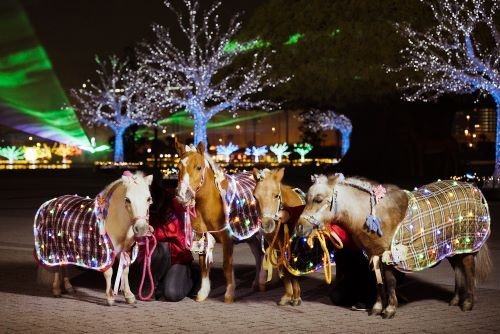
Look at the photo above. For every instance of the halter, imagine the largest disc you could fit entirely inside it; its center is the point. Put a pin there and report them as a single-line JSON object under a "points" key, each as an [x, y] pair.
{"points": [[276, 217], [314, 218], [376, 193], [103, 205]]}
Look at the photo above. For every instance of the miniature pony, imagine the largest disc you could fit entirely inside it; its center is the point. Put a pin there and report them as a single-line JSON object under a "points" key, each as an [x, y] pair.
{"points": [[222, 209], [275, 200], [407, 231], [91, 233]]}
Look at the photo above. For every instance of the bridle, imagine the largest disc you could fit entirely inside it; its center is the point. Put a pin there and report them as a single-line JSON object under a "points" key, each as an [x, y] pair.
{"points": [[279, 207], [202, 180], [331, 204]]}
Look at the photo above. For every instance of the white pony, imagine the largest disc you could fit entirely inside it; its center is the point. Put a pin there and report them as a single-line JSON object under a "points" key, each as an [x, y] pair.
{"points": [[92, 233]]}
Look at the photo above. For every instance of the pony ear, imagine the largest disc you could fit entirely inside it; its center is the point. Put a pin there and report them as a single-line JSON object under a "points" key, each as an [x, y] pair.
{"points": [[201, 148], [314, 177], [335, 178], [255, 173], [280, 172], [149, 179], [126, 178]]}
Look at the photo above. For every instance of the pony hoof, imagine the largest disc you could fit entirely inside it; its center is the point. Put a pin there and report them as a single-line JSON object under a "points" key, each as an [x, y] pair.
{"points": [[388, 314], [200, 298], [110, 302], [57, 293], [296, 302], [130, 300], [284, 301], [466, 306], [229, 299], [455, 301]]}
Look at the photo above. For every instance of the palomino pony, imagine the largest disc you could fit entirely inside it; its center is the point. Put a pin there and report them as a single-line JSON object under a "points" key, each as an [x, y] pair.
{"points": [[275, 200], [222, 209], [407, 231], [91, 233]]}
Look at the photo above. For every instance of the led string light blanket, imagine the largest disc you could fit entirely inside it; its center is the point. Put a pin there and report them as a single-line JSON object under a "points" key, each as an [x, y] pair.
{"points": [[69, 230], [443, 218]]}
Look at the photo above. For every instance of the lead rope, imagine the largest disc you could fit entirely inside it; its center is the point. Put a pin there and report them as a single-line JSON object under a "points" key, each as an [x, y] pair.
{"points": [[146, 267]]}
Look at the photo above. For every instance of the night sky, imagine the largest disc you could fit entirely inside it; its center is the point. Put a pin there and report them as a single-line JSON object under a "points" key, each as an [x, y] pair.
{"points": [[74, 31]]}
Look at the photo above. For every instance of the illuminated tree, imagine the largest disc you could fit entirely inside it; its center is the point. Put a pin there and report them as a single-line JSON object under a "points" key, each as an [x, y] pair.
{"points": [[65, 150], [11, 153], [226, 150], [256, 152], [33, 153], [302, 150], [317, 120], [279, 150], [460, 54], [197, 78], [121, 98]]}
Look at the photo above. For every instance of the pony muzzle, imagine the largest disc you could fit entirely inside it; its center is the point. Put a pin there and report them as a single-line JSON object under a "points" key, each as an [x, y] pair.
{"points": [[140, 226], [268, 223]]}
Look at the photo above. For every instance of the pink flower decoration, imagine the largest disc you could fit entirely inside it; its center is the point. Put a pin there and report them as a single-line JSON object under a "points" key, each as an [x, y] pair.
{"points": [[379, 192]]}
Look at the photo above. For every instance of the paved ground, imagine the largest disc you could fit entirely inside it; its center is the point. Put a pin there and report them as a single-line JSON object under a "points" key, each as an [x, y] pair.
{"points": [[30, 308]]}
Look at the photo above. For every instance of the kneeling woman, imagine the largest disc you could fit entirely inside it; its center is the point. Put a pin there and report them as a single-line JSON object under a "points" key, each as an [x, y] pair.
{"points": [[172, 266]]}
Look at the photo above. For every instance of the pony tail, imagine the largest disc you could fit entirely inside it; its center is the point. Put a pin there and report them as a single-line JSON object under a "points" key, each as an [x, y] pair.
{"points": [[484, 264]]}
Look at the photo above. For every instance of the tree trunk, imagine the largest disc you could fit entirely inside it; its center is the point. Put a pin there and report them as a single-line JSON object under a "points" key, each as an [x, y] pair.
{"points": [[119, 150], [200, 128]]}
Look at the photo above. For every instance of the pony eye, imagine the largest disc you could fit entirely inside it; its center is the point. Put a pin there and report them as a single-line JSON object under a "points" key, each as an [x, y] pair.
{"points": [[127, 200], [317, 200], [198, 168], [277, 196], [150, 200]]}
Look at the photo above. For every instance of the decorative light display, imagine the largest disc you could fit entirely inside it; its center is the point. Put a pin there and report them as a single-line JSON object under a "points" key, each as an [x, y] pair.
{"points": [[443, 218], [123, 97], [192, 78], [454, 56], [302, 149], [280, 150], [65, 151], [70, 230], [11, 153], [31, 154], [30, 94], [256, 152], [317, 120], [304, 259], [227, 150]]}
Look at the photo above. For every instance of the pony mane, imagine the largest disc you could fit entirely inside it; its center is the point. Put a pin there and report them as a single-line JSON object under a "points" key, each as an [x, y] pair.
{"points": [[110, 187], [215, 167], [359, 183], [113, 185]]}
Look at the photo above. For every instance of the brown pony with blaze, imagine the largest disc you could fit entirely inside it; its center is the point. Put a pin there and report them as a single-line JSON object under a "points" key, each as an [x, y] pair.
{"points": [[197, 191], [273, 198], [373, 213]]}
